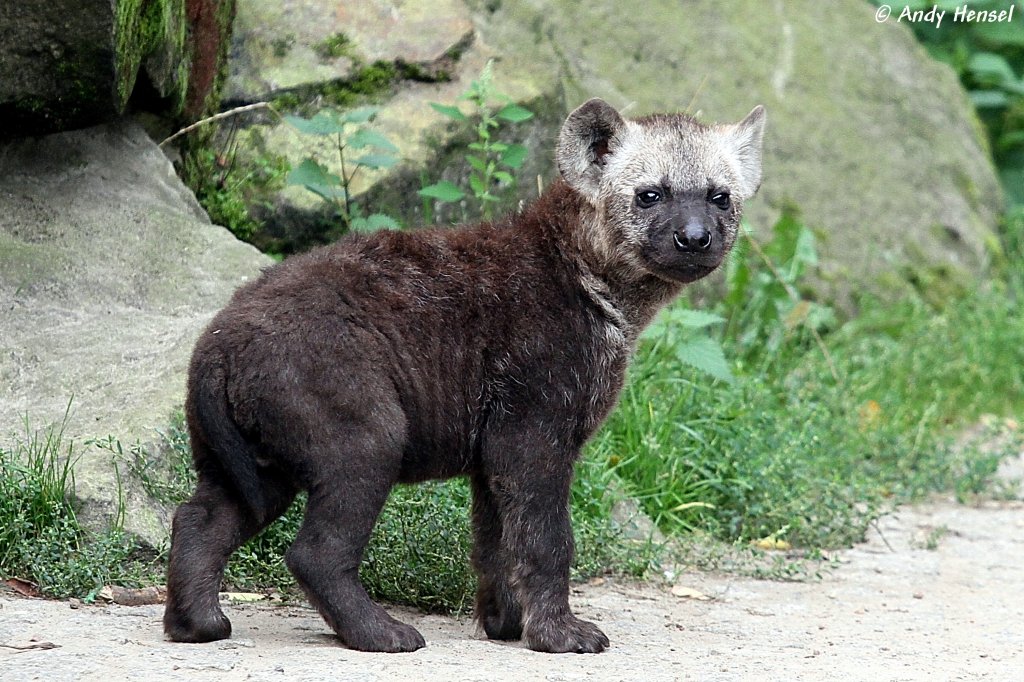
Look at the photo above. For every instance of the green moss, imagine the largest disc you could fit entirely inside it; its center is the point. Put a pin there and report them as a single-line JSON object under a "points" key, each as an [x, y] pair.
{"points": [[145, 27], [286, 101], [373, 79], [282, 46], [338, 45]]}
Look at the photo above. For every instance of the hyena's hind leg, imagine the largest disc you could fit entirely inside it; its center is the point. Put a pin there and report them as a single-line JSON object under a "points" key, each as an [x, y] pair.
{"points": [[346, 494], [497, 605], [207, 529]]}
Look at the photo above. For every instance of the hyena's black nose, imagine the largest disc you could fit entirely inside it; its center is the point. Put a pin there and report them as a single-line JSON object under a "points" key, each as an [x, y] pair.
{"points": [[693, 238]]}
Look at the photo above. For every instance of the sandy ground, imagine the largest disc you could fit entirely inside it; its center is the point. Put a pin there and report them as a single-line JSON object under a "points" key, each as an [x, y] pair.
{"points": [[894, 609]]}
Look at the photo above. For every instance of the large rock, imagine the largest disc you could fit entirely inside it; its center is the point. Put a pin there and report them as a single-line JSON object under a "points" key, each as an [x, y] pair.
{"points": [[108, 271], [74, 63]]}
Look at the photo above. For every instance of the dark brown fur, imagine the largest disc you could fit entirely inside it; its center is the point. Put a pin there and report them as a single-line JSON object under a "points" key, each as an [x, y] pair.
{"points": [[492, 351]]}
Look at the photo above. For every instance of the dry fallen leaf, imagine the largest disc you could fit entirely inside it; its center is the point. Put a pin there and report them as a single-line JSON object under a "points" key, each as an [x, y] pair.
{"points": [[127, 596], [770, 543], [242, 596], [684, 592], [869, 415], [23, 587]]}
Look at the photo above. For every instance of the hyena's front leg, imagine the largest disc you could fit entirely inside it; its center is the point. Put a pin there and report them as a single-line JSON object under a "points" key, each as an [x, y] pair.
{"points": [[531, 484]]}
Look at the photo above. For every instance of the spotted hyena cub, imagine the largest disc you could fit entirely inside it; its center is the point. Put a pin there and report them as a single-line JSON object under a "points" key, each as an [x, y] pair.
{"points": [[491, 351]]}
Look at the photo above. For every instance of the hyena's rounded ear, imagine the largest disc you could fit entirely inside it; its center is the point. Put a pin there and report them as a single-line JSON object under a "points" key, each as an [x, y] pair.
{"points": [[743, 142], [585, 140]]}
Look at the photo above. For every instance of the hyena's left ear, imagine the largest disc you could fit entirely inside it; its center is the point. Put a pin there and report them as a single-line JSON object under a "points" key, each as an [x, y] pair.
{"points": [[587, 137], [743, 142]]}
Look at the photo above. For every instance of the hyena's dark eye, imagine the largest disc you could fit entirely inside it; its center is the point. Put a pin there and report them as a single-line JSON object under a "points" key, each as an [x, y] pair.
{"points": [[721, 200], [647, 198]]}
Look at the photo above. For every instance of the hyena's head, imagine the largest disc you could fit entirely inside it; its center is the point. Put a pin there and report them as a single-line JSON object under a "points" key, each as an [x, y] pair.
{"points": [[667, 190]]}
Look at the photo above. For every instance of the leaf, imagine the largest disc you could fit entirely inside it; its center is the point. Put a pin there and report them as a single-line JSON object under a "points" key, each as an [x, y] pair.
{"points": [[442, 191], [705, 354], [127, 596], [328, 193], [771, 543], [374, 222], [515, 113], [502, 176], [23, 587], [476, 183], [1011, 139], [365, 137], [693, 319], [989, 99], [514, 156], [377, 161], [684, 592], [309, 172], [449, 111], [242, 597], [805, 250], [360, 115], [476, 162], [324, 123], [991, 68]]}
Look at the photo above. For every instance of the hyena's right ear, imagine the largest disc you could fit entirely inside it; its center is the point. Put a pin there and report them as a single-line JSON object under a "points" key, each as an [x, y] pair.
{"points": [[587, 137]]}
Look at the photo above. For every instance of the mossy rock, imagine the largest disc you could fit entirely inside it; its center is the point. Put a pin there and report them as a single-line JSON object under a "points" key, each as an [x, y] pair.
{"points": [[68, 63]]}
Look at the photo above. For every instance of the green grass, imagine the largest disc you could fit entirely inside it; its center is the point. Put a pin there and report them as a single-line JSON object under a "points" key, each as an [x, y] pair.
{"points": [[41, 539], [793, 451]]}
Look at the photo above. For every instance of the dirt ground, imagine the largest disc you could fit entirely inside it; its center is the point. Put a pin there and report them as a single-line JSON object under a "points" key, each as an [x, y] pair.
{"points": [[937, 593]]}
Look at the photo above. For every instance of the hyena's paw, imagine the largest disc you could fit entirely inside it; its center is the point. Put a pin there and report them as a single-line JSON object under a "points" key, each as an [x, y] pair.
{"points": [[565, 634], [500, 615], [190, 629], [388, 636]]}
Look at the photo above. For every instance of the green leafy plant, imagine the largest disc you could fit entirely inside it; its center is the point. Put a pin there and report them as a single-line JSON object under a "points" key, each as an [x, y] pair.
{"points": [[685, 331], [225, 185], [350, 134], [763, 304], [491, 161]]}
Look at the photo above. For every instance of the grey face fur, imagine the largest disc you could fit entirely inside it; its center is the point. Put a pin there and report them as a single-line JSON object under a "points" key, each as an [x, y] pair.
{"points": [[667, 190]]}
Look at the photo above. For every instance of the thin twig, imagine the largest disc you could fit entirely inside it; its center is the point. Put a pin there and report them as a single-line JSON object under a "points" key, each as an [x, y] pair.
{"points": [[795, 297], [878, 529], [217, 117]]}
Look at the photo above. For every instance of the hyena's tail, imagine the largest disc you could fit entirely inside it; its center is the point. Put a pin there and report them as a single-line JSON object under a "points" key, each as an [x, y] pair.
{"points": [[229, 455]]}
